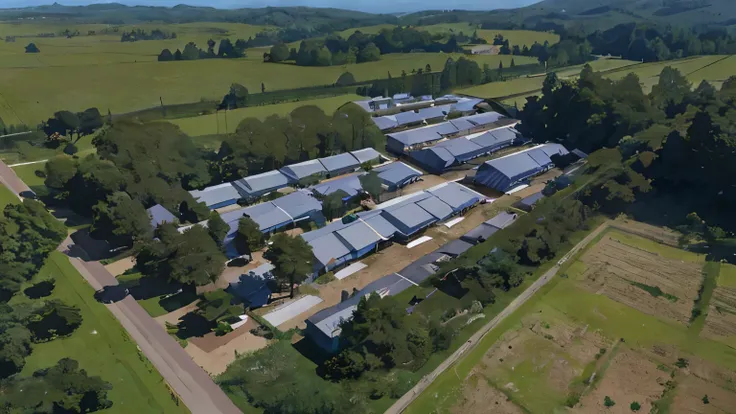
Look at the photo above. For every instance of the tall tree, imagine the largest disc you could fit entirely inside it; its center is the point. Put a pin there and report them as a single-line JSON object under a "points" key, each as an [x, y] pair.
{"points": [[292, 260], [371, 184], [217, 228], [250, 234]]}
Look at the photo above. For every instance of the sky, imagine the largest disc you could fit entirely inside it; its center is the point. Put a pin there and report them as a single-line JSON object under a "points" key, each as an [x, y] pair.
{"points": [[375, 6]]}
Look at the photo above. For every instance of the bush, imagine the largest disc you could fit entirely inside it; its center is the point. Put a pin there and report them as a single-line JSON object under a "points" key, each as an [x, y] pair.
{"points": [[635, 406], [325, 278], [608, 402], [681, 363], [223, 328], [572, 400], [345, 79]]}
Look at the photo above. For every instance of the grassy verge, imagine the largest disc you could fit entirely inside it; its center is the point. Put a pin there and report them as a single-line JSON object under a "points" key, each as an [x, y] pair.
{"points": [[700, 306], [6, 197], [102, 347]]}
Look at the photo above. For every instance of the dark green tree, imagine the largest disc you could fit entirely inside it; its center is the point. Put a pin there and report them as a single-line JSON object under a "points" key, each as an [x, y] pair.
{"points": [[279, 53], [32, 48], [345, 79], [217, 228], [333, 206], [250, 234], [292, 260], [371, 184]]}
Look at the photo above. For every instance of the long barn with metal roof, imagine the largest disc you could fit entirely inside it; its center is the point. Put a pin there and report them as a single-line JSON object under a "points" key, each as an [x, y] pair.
{"points": [[272, 215], [507, 172], [449, 153], [414, 139], [341, 242]]}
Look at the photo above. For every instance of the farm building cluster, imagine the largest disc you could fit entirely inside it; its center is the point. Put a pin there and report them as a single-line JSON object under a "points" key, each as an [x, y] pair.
{"points": [[443, 157]]}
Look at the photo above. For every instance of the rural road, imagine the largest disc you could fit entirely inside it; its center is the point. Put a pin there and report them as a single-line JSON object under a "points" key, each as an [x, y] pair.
{"points": [[402, 403], [11, 180], [189, 381]]}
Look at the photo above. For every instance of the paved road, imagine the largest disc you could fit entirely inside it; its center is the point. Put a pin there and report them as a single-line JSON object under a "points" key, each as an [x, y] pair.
{"points": [[10, 180], [195, 388], [402, 403]]}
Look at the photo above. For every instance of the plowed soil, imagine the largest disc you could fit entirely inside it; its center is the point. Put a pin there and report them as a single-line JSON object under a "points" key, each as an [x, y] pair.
{"points": [[614, 268]]}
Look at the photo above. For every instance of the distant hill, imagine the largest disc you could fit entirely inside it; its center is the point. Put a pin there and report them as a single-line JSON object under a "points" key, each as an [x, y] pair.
{"points": [[114, 13], [593, 14]]}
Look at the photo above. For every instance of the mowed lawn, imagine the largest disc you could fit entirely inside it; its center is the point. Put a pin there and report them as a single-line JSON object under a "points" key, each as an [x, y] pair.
{"points": [[217, 123], [562, 300], [6, 197], [102, 348], [33, 94]]}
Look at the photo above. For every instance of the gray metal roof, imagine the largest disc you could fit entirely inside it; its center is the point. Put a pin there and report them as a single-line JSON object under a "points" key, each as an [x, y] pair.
{"points": [[455, 195], [381, 225], [216, 194], [385, 122], [298, 204], [303, 169], [514, 165], [505, 134], [461, 124], [265, 182], [495, 138], [455, 247], [532, 199], [480, 233], [358, 236], [486, 118], [160, 215], [424, 134], [350, 184], [459, 146], [366, 155], [328, 248], [410, 215], [339, 162], [502, 220], [435, 111], [396, 173], [408, 117], [436, 207]]}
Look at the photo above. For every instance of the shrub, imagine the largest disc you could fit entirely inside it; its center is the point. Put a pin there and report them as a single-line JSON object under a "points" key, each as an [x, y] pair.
{"points": [[635, 406], [223, 328], [572, 400], [706, 400], [608, 402], [325, 278], [681, 363]]}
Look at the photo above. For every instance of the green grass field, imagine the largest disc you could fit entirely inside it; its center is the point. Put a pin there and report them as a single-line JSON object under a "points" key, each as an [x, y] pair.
{"points": [[727, 276], [103, 49], [215, 123], [102, 348], [562, 300], [127, 87], [27, 173], [532, 84], [515, 37], [714, 69], [6, 197]]}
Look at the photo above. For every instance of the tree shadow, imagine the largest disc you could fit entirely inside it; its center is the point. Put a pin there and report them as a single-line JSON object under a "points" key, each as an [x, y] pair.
{"points": [[193, 324], [312, 352], [40, 289], [50, 327], [179, 300], [150, 287]]}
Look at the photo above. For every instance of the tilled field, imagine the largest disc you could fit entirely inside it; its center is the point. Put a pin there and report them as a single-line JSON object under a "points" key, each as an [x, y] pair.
{"points": [[641, 279], [721, 320]]}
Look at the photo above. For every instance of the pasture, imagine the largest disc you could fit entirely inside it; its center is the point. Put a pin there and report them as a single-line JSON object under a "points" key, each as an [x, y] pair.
{"points": [[532, 85], [516, 37], [125, 87], [102, 347], [218, 123], [572, 346]]}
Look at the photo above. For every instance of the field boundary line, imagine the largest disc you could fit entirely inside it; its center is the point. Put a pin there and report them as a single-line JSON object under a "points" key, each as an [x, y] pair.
{"points": [[403, 403], [710, 64]]}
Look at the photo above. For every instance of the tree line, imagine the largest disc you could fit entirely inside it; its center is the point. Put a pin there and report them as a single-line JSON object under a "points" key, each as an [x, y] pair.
{"points": [[360, 47], [140, 34], [226, 50], [676, 140]]}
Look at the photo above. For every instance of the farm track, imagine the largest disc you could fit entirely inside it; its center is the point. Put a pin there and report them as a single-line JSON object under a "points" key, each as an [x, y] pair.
{"points": [[402, 403]]}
